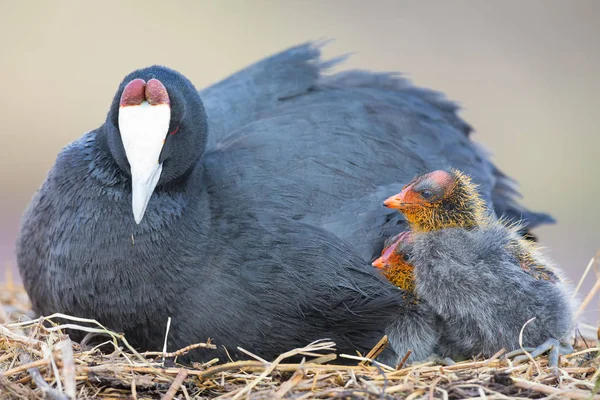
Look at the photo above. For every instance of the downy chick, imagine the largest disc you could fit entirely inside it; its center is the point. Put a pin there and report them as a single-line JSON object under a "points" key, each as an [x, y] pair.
{"points": [[478, 274], [419, 319]]}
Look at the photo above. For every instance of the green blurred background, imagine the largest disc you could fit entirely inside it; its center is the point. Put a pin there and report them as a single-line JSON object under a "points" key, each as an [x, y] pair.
{"points": [[526, 73]]}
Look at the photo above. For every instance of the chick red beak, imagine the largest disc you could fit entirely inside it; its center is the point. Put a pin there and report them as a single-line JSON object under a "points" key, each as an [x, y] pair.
{"points": [[398, 200], [380, 263], [383, 262]]}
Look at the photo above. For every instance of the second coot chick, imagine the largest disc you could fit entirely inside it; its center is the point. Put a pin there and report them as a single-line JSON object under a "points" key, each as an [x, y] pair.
{"points": [[394, 263]]}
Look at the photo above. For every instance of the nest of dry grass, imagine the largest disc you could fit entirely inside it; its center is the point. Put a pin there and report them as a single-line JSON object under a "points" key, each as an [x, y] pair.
{"points": [[38, 360]]}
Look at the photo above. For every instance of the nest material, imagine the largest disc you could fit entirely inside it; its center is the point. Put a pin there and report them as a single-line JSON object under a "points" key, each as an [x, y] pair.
{"points": [[38, 360]]}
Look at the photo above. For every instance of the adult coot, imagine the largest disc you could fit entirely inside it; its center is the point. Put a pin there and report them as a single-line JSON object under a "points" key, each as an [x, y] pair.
{"points": [[247, 212]]}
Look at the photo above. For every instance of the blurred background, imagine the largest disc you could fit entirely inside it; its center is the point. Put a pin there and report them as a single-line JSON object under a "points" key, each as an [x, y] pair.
{"points": [[525, 73]]}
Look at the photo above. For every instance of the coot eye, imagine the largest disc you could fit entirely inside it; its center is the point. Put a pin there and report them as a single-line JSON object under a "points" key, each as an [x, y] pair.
{"points": [[427, 194]]}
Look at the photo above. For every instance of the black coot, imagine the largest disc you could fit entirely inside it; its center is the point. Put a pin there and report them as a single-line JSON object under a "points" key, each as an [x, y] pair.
{"points": [[248, 212]]}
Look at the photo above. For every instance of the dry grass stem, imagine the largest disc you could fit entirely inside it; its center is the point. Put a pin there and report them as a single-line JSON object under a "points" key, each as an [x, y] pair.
{"points": [[179, 379]]}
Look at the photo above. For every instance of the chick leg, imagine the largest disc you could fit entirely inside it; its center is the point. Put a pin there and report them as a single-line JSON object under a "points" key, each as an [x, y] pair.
{"points": [[439, 360], [552, 346]]}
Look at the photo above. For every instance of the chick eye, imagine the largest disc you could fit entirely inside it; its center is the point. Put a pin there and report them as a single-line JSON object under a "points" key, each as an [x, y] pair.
{"points": [[427, 194]]}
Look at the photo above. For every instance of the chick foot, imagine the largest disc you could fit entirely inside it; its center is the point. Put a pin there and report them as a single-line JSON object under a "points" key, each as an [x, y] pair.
{"points": [[552, 346], [439, 360]]}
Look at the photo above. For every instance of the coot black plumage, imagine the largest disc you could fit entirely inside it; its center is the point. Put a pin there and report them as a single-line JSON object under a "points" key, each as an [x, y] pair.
{"points": [[254, 224]]}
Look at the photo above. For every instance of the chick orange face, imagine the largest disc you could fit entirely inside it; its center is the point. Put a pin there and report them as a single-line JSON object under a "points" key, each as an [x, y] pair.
{"points": [[423, 191], [440, 200], [389, 256], [395, 267]]}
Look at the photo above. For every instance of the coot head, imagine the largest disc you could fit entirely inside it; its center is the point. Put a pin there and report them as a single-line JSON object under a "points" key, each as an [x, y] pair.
{"points": [[156, 130], [440, 199]]}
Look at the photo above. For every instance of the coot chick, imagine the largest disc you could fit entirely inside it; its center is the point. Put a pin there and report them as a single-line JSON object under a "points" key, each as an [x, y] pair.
{"points": [[395, 267], [479, 275], [394, 263]]}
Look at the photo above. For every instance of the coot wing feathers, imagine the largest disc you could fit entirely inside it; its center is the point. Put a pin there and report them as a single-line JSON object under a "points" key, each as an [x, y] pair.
{"points": [[286, 283], [323, 156], [255, 91], [290, 121]]}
